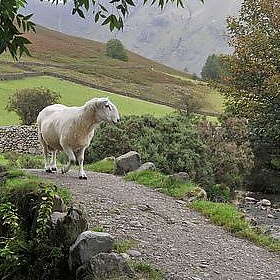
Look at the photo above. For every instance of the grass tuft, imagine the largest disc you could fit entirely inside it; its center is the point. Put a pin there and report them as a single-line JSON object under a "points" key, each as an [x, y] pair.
{"points": [[227, 216], [124, 245], [163, 183], [147, 271], [104, 166]]}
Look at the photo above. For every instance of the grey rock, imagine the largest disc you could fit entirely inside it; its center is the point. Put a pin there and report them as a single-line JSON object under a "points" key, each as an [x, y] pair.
{"points": [[67, 226], [57, 218], [181, 176], [147, 166], [104, 266], [87, 245], [134, 253], [127, 162], [264, 202], [250, 200], [58, 204]]}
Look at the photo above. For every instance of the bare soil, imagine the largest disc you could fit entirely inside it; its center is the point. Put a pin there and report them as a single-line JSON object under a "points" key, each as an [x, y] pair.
{"points": [[170, 236]]}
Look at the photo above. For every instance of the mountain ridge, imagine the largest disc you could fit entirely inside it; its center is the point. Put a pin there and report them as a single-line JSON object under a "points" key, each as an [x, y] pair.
{"points": [[181, 38]]}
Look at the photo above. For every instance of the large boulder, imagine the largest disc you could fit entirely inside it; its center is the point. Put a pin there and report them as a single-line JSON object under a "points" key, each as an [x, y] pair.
{"points": [[105, 266], [67, 226], [87, 245], [127, 163]]}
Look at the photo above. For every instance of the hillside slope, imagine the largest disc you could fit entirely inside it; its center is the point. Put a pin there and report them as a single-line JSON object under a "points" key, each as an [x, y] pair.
{"points": [[85, 61], [180, 38]]}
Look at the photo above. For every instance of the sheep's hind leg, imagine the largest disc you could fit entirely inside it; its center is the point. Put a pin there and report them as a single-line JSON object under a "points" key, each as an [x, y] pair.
{"points": [[53, 167], [80, 159], [45, 152], [72, 159]]}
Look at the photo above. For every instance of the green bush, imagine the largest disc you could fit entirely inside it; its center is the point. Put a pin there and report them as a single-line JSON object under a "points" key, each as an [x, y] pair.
{"points": [[177, 142], [116, 50], [218, 193], [28, 102], [229, 151]]}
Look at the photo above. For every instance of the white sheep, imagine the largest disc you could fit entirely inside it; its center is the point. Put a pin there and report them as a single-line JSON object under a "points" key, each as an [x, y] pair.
{"points": [[71, 129]]}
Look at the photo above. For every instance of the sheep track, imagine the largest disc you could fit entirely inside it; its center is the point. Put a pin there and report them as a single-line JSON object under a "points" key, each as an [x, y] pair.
{"points": [[170, 236]]}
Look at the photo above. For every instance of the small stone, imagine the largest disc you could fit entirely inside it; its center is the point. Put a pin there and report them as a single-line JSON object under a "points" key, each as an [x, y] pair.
{"points": [[250, 200], [135, 224], [270, 216], [143, 207], [134, 253], [265, 202]]}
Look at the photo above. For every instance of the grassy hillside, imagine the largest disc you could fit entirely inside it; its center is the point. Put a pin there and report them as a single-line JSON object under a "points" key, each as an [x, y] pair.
{"points": [[74, 94], [87, 61]]}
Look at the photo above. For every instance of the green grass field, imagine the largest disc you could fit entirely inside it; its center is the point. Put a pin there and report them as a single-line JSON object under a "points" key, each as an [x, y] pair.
{"points": [[74, 94]]}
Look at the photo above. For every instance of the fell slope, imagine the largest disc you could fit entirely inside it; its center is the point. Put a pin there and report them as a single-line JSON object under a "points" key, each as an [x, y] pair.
{"points": [[86, 61], [180, 38]]}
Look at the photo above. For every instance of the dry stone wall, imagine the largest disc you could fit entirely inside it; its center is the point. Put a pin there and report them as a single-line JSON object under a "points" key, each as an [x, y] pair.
{"points": [[20, 139]]}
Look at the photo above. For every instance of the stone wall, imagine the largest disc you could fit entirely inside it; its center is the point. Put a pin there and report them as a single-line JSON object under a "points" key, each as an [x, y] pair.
{"points": [[21, 139]]}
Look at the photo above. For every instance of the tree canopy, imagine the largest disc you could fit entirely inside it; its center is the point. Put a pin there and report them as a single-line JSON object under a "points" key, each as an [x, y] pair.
{"points": [[212, 68], [253, 71], [14, 24], [252, 77]]}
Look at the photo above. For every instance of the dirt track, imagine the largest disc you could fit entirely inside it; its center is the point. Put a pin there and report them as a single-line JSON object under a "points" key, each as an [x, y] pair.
{"points": [[170, 236]]}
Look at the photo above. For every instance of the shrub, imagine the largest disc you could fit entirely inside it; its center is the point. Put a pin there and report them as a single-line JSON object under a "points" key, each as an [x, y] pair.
{"points": [[116, 50], [177, 142], [229, 151], [28, 102], [219, 193], [27, 251]]}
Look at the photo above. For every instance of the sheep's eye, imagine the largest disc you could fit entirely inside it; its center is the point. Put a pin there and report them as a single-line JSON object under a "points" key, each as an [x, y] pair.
{"points": [[108, 106]]}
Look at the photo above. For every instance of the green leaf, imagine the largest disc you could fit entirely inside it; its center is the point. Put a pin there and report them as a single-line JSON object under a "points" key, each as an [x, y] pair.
{"points": [[81, 13], [130, 2], [86, 4], [107, 20], [96, 18], [103, 8]]}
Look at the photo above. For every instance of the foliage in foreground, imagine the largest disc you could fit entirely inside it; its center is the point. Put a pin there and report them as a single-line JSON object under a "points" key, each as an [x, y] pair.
{"points": [[25, 250], [229, 217]]}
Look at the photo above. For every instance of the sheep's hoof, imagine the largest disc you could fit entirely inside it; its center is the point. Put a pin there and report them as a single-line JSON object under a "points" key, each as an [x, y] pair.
{"points": [[48, 170], [83, 177], [53, 169], [62, 171]]}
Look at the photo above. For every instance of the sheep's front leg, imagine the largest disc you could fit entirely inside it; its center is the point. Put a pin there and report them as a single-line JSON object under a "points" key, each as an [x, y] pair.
{"points": [[80, 159], [72, 159]]}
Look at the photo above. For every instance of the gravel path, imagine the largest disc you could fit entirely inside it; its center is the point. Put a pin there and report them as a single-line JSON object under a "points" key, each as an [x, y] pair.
{"points": [[170, 236]]}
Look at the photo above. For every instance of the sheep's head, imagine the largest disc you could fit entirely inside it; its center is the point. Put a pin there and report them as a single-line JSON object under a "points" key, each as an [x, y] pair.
{"points": [[106, 110]]}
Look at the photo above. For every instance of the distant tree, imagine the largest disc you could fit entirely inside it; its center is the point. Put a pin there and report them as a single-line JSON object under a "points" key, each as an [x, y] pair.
{"points": [[115, 49], [28, 102], [13, 24], [253, 77], [212, 68]]}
